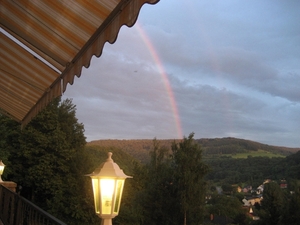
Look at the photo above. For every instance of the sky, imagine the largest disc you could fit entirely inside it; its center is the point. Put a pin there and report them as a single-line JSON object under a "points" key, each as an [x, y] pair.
{"points": [[218, 68]]}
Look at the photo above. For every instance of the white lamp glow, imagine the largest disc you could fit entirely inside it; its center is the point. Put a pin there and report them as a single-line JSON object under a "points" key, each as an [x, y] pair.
{"points": [[108, 182], [1, 169]]}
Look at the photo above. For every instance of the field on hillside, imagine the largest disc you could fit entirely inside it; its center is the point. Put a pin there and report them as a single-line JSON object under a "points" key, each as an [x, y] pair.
{"points": [[259, 153]]}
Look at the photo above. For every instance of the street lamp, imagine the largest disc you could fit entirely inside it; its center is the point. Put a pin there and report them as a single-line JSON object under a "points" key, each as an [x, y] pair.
{"points": [[108, 182], [1, 169]]}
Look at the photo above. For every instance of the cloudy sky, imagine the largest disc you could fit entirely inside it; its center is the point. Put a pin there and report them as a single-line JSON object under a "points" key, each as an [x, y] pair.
{"points": [[218, 68]]}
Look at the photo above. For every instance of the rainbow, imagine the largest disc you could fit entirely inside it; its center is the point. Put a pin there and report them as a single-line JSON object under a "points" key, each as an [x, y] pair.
{"points": [[164, 76]]}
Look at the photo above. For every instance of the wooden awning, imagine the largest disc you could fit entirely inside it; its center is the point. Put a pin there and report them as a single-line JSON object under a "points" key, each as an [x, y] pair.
{"points": [[44, 44]]}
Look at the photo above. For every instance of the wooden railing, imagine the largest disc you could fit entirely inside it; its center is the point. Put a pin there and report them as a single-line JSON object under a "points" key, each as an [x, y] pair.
{"points": [[16, 210]]}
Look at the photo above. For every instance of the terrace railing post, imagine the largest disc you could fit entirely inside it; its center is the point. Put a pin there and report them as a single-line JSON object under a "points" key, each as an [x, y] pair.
{"points": [[18, 210], [1, 202], [8, 201]]}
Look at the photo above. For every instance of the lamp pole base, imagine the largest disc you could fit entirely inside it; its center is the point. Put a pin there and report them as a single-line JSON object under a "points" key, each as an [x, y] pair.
{"points": [[106, 222]]}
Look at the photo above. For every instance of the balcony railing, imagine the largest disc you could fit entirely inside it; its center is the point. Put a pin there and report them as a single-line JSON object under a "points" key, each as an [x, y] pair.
{"points": [[16, 210]]}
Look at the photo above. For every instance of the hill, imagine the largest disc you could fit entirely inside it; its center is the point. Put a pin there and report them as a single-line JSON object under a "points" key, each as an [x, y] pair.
{"points": [[139, 149], [229, 146]]}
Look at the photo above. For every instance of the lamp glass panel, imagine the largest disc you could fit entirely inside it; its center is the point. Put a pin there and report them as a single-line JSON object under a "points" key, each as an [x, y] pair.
{"points": [[96, 192], [107, 190], [119, 190], [1, 170]]}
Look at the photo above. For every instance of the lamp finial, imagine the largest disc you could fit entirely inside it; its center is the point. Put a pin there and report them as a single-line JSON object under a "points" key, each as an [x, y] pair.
{"points": [[109, 154]]}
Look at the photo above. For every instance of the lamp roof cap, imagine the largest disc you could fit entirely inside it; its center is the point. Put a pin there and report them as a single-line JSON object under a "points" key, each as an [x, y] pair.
{"points": [[109, 169], [1, 163]]}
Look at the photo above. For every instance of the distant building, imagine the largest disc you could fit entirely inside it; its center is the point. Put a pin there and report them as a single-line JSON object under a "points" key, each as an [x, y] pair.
{"points": [[252, 215], [250, 201], [283, 184], [260, 189], [267, 181], [246, 189]]}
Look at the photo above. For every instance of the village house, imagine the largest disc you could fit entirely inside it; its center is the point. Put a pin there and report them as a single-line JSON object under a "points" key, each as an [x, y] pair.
{"points": [[250, 201]]}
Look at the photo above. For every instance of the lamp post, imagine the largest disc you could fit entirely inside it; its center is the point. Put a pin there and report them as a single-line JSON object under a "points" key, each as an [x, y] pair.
{"points": [[108, 182], [1, 169]]}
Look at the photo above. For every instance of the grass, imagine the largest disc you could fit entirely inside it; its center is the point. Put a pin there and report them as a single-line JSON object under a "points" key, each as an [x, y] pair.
{"points": [[258, 153]]}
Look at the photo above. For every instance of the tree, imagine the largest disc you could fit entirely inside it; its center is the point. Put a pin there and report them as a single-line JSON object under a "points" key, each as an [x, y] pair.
{"points": [[158, 198], [49, 162], [272, 205], [292, 213], [189, 171], [227, 206], [227, 189]]}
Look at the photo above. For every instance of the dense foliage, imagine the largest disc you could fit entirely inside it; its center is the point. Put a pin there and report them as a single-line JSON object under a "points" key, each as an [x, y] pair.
{"points": [[253, 170], [211, 148], [47, 160], [189, 170], [279, 207], [170, 189]]}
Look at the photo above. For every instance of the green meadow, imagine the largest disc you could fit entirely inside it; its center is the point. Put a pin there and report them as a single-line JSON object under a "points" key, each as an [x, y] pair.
{"points": [[258, 153]]}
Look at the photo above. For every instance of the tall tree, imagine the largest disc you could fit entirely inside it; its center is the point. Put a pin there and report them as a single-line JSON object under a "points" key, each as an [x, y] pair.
{"points": [[189, 171], [292, 213], [159, 201], [227, 206], [272, 205], [49, 162]]}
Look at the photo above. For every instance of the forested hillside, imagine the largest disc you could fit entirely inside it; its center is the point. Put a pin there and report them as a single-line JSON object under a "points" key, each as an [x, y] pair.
{"points": [[253, 170], [215, 146], [139, 149], [234, 145], [224, 168]]}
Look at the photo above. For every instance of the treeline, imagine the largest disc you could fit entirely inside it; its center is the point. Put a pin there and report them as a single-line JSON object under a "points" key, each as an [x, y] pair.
{"points": [[227, 145], [231, 145], [139, 149], [253, 170], [210, 146]]}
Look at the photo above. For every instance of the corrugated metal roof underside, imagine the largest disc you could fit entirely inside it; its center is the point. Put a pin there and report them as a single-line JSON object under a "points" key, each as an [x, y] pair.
{"points": [[61, 36]]}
